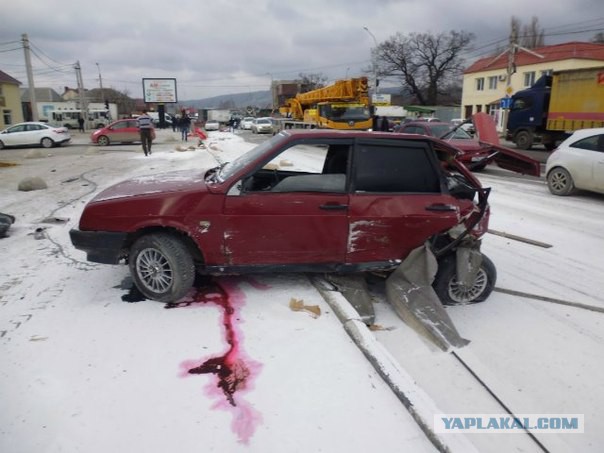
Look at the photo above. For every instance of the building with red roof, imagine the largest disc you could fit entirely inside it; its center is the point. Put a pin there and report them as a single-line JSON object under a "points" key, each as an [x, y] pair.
{"points": [[488, 80]]}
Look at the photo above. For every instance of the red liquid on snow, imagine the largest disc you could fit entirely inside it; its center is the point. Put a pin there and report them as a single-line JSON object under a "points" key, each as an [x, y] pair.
{"points": [[234, 372]]}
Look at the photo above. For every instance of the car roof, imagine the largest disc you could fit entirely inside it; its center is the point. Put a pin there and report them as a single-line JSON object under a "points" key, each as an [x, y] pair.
{"points": [[426, 123], [334, 133], [583, 133]]}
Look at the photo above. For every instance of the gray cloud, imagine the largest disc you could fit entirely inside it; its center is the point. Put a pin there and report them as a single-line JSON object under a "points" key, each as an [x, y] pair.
{"points": [[231, 46]]}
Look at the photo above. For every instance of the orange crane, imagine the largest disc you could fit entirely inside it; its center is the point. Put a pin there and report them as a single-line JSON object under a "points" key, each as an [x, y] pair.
{"points": [[342, 105]]}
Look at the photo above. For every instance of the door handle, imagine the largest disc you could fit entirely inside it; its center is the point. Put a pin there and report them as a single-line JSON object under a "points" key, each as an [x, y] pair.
{"points": [[333, 207], [441, 207]]}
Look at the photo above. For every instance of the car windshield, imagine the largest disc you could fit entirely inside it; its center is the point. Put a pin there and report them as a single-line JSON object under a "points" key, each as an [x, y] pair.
{"points": [[342, 112], [231, 168], [263, 121], [458, 133]]}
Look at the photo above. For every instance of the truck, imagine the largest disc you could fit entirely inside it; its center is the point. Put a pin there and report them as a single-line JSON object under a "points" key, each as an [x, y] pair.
{"points": [[221, 115], [555, 106], [342, 105]]}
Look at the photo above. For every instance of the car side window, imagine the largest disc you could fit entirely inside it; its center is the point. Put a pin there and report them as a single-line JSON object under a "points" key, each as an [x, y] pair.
{"points": [[593, 143], [19, 128], [303, 167], [395, 168]]}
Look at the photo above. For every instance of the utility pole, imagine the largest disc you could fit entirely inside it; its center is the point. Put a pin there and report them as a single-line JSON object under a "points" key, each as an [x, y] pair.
{"points": [[101, 83], [375, 78], [512, 51], [30, 78], [83, 106]]}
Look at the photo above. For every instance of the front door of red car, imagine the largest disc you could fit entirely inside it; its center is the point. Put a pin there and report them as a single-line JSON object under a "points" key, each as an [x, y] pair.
{"points": [[397, 201], [301, 220], [285, 228]]}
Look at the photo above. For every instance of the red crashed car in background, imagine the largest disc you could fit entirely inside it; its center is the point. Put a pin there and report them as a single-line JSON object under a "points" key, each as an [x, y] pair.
{"points": [[122, 131], [302, 201], [476, 153], [473, 154]]}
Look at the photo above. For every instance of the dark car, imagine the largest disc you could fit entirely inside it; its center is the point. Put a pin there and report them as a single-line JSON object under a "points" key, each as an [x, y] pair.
{"points": [[303, 201], [122, 131]]}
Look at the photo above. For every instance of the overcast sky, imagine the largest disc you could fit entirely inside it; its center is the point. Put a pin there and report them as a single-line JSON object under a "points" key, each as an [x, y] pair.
{"points": [[221, 47]]}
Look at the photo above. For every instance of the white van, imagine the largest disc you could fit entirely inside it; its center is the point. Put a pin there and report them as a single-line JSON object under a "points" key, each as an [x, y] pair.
{"points": [[155, 116]]}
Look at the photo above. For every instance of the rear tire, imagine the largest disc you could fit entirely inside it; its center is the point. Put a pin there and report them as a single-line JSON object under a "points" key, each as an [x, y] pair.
{"points": [[451, 293], [162, 267], [560, 182]]}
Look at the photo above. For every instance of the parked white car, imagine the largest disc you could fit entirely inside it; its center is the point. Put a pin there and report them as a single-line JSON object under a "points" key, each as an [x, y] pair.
{"points": [[578, 163], [246, 123], [34, 134], [212, 125]]}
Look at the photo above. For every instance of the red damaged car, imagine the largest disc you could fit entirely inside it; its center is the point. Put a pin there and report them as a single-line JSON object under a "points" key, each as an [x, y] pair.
{"points": [[476, 154], [303, 201]]}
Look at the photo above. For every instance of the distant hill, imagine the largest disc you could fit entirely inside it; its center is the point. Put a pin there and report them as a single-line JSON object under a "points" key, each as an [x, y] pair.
{"points": [[259, 99]]}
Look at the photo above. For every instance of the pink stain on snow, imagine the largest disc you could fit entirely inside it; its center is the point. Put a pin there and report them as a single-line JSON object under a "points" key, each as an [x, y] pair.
{"points": [[234, 371]]}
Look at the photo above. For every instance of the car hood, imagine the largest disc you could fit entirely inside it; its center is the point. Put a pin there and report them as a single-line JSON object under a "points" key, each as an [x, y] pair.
{"points": [[178, 181]]}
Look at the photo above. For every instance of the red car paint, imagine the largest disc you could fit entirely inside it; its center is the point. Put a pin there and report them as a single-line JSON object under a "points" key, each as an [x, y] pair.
{"points": [[374, 198], [477, 153]]}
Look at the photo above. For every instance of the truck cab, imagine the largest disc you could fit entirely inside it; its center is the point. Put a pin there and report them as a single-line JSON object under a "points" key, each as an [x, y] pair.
{"points": [[528, 113]]}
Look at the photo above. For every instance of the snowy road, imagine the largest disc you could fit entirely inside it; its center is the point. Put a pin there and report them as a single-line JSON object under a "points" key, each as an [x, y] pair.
{"points": [[84, 371]]}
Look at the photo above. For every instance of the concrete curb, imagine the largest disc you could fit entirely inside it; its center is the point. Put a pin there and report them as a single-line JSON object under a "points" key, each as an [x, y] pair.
{"points": [[419, 404]]}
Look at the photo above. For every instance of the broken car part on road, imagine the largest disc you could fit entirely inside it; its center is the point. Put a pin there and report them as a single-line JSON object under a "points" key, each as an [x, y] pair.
{"points": [[321, 201]]}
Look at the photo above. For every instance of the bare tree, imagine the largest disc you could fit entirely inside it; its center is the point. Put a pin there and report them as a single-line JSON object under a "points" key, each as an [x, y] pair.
{"points": [[125, 104], [532, 35], [309, 82], [423, 62], [598, 38]]}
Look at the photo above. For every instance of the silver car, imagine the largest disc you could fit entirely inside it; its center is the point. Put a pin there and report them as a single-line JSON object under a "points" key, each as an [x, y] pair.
{"points": [[34, 134], [262, 126]]}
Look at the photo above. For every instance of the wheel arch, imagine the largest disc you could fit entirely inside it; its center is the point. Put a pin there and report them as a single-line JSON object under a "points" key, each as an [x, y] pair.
{"points": [[191, 245]]}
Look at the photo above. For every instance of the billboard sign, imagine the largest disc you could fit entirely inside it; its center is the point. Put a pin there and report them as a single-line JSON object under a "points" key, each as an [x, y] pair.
{"points": [[161, 91], [381, 99]]}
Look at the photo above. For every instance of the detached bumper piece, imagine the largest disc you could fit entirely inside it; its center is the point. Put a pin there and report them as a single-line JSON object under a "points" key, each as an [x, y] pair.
{"points": [[103, 247], [6, 220]]}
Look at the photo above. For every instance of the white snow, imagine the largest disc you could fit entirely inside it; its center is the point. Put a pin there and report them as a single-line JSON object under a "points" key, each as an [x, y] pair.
{"points": [[84, 371]]}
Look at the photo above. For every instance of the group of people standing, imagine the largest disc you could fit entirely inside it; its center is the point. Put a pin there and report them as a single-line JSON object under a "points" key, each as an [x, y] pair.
{"points": [[380, 123], [182, 124]]}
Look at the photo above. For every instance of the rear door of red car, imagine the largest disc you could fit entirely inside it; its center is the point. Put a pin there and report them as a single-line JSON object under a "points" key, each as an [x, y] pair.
{"points": [[289, 226], [396, 202]]}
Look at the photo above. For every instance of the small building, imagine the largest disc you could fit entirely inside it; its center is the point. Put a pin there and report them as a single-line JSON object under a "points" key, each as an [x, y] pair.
{"points": [[486, 84], [10, 101]]}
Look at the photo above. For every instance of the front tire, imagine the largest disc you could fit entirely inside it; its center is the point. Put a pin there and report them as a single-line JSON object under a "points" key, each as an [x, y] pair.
{"points": [[560, 182], [450, 292], [162, 267], [47, 142], [103, 140], [524, 140]]}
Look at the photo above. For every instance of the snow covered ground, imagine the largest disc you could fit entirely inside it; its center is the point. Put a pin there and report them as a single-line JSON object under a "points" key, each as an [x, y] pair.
{"points": [[83, 370]]}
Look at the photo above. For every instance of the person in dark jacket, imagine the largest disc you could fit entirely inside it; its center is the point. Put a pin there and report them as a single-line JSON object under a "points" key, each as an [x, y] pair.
{"points": [[385, 124], [184, 123], [375, 124]]}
